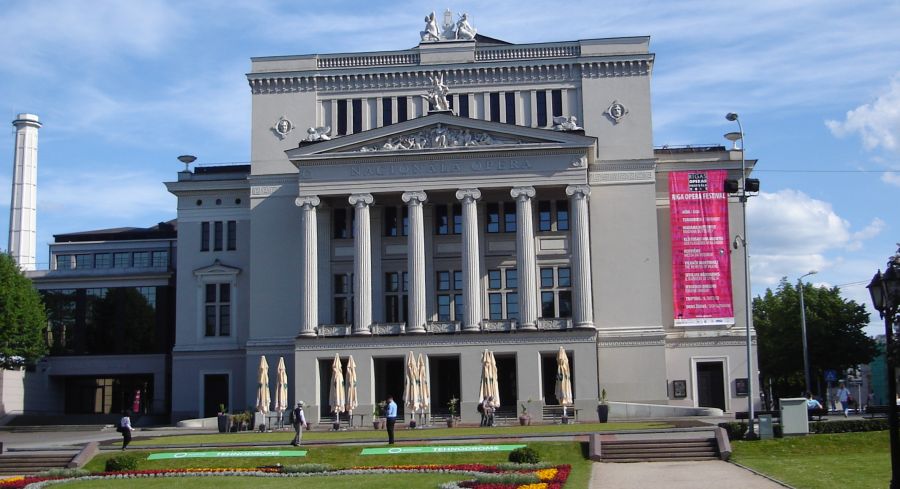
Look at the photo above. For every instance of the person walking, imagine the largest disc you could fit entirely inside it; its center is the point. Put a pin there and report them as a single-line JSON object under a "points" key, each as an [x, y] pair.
{"points": [[299, 422], [125, 428], [481, 410], [843, 395], [391, 415]]}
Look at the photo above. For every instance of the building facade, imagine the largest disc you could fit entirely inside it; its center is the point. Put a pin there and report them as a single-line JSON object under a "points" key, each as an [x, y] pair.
{"points": [[463, 195]]}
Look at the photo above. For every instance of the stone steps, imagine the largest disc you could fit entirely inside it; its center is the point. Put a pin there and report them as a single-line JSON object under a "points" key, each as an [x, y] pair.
{"points": [[659, 450], [33, 463]]}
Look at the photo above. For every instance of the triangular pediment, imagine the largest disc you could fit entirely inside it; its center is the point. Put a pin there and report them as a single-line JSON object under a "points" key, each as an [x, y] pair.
{"points": [[217, 268], [439, 133]]}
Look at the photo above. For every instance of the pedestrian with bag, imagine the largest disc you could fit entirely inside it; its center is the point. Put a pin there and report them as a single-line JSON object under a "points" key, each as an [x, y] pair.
{"points": [[298, 420], [843, 395], [125, 428]]}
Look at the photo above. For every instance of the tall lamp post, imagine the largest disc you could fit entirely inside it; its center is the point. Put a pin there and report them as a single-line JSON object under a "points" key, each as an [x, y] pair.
{"points": [[885, 291], [752, 185], [803, 329]]}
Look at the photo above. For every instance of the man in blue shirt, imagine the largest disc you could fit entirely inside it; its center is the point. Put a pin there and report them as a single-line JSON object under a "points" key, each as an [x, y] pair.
{"points": [[391, 415]]}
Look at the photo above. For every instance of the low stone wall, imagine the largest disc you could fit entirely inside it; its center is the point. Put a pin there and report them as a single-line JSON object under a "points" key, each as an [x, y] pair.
{"points": [[628, 410]]}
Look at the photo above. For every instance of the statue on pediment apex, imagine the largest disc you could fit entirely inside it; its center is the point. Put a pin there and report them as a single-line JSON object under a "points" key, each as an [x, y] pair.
{"points": [[431, 29], [464, 30]]}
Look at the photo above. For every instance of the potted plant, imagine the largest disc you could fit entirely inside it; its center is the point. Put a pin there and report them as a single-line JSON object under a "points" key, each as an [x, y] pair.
{"points": [[602, 407], [222, 419], [525, 418], [452, 421], [377, 411]]}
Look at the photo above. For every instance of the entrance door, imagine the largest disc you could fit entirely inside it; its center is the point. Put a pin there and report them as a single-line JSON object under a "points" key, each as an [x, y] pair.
{"points": [[390, 374], [711, 384], [215, 392]]}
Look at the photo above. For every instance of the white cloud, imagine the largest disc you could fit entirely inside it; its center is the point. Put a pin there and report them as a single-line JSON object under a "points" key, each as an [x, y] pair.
{"points": [[793, 233], [119, 193], [891, 178], [877, 123]]}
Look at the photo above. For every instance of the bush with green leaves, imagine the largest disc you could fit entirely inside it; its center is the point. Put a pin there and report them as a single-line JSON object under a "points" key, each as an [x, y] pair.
{"points": [[734, 429], [121, 463], [524, 455], [64, 473], [848, 426], [523, 466]]}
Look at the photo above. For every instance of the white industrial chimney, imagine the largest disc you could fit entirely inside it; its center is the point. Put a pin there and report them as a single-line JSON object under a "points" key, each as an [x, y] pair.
{"points": [[23, 208]]}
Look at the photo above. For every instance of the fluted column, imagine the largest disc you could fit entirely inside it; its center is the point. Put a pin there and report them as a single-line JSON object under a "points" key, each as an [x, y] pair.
{"points": [[582, 294], [526, 265], [415, 320], [471, 273], [362, 265], [309, 270]]}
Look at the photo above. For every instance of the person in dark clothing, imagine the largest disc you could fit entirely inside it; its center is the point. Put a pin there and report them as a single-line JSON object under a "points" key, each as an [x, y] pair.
{"points": [[390, 414], [125, 428]]}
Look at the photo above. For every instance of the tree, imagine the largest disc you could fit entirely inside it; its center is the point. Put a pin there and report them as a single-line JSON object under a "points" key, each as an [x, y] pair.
{"points": [[22, 317], [835, 336]]}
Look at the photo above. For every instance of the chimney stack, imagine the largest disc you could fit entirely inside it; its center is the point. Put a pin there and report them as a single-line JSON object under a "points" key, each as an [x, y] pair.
{"points": [[23, 207]]}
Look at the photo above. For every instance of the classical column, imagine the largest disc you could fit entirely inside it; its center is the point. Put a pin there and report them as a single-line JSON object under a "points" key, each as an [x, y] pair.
{"points": [[470, 254], [362, 265], [415, 320], [309, 270], [582, 295], [526, 264]]}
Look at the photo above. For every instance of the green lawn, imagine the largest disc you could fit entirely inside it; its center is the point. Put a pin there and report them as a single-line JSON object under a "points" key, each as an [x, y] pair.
{"points": [[285, 437], [837, 461], [342, 482], [572, 453]]}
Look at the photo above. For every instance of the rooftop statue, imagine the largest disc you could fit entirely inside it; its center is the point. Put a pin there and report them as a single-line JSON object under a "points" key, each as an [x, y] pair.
{"points": [[460, 30], [431, 30], [437, 94], [318, 133], [563, 123], [463, 29]]}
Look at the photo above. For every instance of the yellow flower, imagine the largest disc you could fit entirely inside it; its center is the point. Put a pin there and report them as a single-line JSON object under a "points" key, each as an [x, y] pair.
{"points": [[539, 485], [12, 479], [546, 474]]}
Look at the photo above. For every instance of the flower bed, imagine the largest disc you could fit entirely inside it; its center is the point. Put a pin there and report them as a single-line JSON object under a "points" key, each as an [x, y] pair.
{"points": [[544, 478]]}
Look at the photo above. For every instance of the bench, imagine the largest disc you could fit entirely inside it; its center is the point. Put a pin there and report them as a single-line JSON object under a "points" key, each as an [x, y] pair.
{"points": [[776, 415], [881, 410], [554, 413]]}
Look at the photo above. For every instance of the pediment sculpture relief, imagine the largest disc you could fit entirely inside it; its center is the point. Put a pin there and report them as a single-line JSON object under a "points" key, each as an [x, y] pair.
{"points": [[439, 137]]}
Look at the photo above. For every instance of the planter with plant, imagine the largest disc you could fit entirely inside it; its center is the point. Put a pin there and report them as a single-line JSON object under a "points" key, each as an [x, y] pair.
{"points": [[452, 421], [377, 412], [602, 407], [222, 419], [525, 418]]}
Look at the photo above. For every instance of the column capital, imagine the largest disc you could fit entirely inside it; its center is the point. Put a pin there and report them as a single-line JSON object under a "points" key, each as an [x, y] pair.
{"points": [[363, 200], [578, 191], [414, 197], [526, 192], [468, 193], [307, 200]]}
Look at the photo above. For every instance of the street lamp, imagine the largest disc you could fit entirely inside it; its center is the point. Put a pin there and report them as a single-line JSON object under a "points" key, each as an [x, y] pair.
{"points": [[752, 185], [885, 291], [803, 328]]}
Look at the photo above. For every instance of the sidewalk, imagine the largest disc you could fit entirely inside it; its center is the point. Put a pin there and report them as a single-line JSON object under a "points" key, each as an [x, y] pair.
{"points": [[712, 474]]}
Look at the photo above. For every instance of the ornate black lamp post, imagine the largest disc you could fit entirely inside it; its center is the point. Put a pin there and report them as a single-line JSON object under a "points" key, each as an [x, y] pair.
{"points": [[885, 290]]}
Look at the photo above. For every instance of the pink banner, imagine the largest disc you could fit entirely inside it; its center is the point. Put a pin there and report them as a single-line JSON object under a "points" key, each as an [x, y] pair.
{"points": [[701, 258]]}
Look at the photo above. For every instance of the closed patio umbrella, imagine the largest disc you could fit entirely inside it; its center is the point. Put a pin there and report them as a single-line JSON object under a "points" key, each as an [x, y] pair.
{"points": [[411, 385], [487, 377], [262, 389], [336, 394], [281, 390], [495, 383], [424, 386], [563, 380], [352, 401]]}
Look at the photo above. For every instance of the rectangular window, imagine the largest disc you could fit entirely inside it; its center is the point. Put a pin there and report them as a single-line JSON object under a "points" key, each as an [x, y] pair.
{"points": [[204, 236], [495, 107], [495, 306], [63, 262], [565, 303], [458, 280], [494, 280], [217, 236], [387, 111], [449, 301], [548, 309], [545, 217], [102, 260], [232, 235], [83, 261], [343, 298], [512, 278], [441, 220], [564, 277], [395, 298], [357, 115], [509, 217], [556, 292], [557, 102], [342, 224], [396, 221], [457, 218], [218, 310], [121, 260], [342, 117], [444, 307], [503, 300], [553, 215], [141, 259], [546, 278], [463, 105], [541, 97], [492, 209], [562, 215], [443, 280], [401, 109], [160, 259], [510, 107], [512, 305]]}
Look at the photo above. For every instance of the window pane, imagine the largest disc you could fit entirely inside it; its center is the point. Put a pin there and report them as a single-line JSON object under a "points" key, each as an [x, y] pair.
{"points": [[443, 308], [391, 308], [443, 281], [204, 236], [405, 221], [210, 293], [224, 320], [122, 260], [217, 236], [496, 306], [441, 221], [463, 105], [357, 115], [547, 309], [494, 279], [391, 282], [509, 217], [102, 260], [556, 96], [510, 108], [544, 219], [565, 303], [224, 293], [339, 218], [401, 109], [232, 235], [565, 277], [562, 215], [63, 262], [541, 108], [390, 221], [512, 278], [341, 117], [160, 258], [341, 284], [405, 281], [495, 107], [457, 280], [386, 111], [141, 259], [83, 261], [458, 307], [340, 310], [546, 278], [210, 320], [457, 219], [512, 306], [493, 217]]}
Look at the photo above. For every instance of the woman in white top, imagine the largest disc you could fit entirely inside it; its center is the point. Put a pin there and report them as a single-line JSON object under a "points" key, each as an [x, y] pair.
{"points": [[125, 428]]}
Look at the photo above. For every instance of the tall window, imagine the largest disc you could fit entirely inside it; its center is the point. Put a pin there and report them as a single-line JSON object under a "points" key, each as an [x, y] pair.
{"points": [[501, 218], [342, 117], [401, 109], [510, 99], [449, 295], [218, 309], [556, 96], [343, 298], [541, 98], [495, 107], [463, 105], [556, 292], [553, 215], [448, 219], [387, 111], [396, 221], [232, 235], [357, 115], [217, 236], [503, 297], [396, 300], [342, 223], [204, 236]]}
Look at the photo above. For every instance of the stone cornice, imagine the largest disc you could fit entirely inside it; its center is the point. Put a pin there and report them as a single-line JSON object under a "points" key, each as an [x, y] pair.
{"points": [[424, 341]]}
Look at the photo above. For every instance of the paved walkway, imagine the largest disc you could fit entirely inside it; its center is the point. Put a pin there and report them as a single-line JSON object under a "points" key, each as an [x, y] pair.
{"points": [[711, 474]]}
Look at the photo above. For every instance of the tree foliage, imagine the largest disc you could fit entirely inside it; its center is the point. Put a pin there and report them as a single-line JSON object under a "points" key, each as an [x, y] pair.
{"points": [[835, 336], [22, 317]]}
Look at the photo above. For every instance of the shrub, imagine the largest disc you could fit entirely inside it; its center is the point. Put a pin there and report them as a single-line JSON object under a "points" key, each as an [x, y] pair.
{"points": [[120, 463], [64, 473], [734, 429], [524, 455], [305, 468], [848, 426], [778, 431], [515, 466], [514, 479]]}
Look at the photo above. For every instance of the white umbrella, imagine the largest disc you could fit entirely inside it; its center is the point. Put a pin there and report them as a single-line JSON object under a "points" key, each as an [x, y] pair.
{"points": [[262, 390], [487, 377], [281, 388], [563, 380], [495, 386], [352, 401], [411, 397], [336, 396], [424, 386]]}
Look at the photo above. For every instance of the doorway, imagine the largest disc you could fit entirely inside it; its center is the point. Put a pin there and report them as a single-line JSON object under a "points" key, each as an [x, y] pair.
{"points": [[507, 381], [548, 376], [325, 385], [389, 380], [444, 383], [215, 392], [711, 384]]}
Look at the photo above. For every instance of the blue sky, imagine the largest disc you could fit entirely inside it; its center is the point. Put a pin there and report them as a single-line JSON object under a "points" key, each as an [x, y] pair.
{"points": [[124, 87]]}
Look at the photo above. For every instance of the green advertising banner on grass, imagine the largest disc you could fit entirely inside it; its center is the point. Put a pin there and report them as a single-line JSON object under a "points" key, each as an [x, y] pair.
{"points": [[233, 454], [446, 449]]}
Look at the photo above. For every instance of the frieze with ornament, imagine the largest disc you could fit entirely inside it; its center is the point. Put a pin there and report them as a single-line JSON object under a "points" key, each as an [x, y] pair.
{"points": [[439, 137]]}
